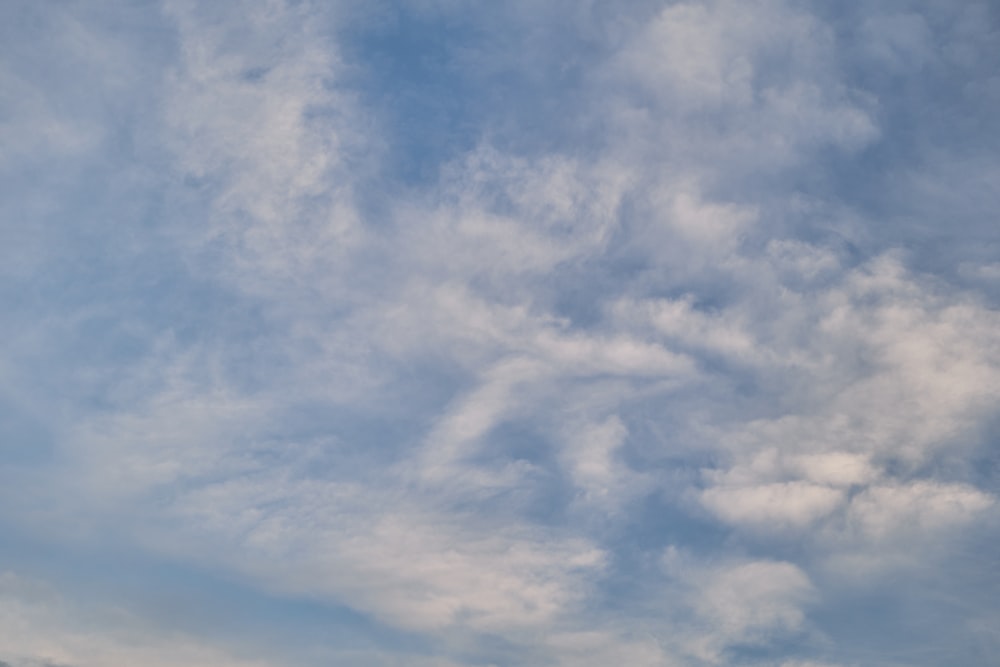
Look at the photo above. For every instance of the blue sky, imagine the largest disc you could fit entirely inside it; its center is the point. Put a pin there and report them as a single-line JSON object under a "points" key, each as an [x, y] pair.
{"points": [[442, 333]]}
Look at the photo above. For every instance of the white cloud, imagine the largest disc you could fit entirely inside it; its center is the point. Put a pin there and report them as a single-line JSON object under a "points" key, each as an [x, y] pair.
{"points": [[734, 603], [196, 482], [838, 469], [696, 54], [772, 506], [762, 75], [920, 508], [592, 453], [257, 119], [390, 554], [597, 648], [38, 625], [750, 601]]}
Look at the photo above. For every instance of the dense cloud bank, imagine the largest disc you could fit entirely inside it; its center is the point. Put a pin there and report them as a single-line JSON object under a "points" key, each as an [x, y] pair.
{"points": [[444, 334]]}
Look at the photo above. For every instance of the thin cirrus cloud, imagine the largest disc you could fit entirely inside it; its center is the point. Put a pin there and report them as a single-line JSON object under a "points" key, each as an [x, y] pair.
{"points": [[443, 334]]}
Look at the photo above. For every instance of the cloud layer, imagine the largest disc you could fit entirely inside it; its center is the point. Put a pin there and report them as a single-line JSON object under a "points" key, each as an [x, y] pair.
{"points": [[555, 333]]}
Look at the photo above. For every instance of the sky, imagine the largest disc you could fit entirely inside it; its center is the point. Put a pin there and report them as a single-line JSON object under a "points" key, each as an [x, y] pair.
{"points": [[546, 333]]}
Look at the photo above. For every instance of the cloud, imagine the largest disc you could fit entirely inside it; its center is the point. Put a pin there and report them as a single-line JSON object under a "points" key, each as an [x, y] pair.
{"points": [[734, 604], [764, 76], [668, 276], [919, 507], [775, 505], [258, 125], [598, 647], [747, 600], [42, 629]]}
